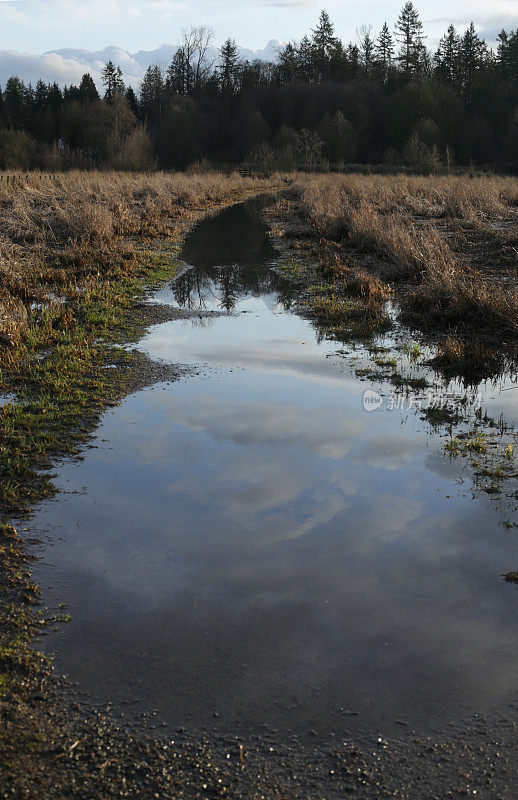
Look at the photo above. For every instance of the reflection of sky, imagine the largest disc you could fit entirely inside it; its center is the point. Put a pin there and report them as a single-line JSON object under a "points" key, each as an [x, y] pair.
{"points": [[502, 399], [265, 340], [261, 517], [251, 542]]}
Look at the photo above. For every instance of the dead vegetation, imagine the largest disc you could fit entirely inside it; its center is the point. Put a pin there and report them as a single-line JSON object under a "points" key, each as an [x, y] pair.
{"points": [[448, 244], [59, 234]]}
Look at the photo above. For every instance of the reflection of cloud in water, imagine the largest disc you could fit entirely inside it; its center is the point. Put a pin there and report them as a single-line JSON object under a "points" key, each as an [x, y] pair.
{"points": [[262, 517], [389, 518], [505, 403], [329, 433], [440, 464], [383, 606], [270, 501], [389, 451], [267, 342], [278, 360]]}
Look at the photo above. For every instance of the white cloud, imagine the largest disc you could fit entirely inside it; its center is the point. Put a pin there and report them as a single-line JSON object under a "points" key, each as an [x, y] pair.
{"points": [[50, 67], [67, 65], [331, 435]]}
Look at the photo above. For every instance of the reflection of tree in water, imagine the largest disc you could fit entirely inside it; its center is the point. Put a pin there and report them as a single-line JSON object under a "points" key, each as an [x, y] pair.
{"points": [[224, 286], [228, 287], [230, 253], [234, 236], [190, 290]]}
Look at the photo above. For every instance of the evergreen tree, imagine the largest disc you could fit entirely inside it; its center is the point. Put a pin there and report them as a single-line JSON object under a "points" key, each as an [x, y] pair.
{"points": [[409, 34], [447, 57], [112, 81], [179, 75], [507, 54], [15, 97], [288, 64], [41, 96], [384, 51], [367, 51], [353, 60], [228, 68], [152, 95], [472, 56], [132, 101], [257, 74], [339, 65], [71, 94], [55, 97], [323, 43], [469, 107], [305, 61], [87, 90]]}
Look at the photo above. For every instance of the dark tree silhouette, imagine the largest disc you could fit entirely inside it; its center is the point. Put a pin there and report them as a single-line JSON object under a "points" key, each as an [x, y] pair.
{"points": [[409, 33], [112, 81], [228, 68], [447, 57], [87, 89]]}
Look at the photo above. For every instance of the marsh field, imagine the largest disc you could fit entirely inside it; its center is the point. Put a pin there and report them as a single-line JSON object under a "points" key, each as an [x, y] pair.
{"points": [[258, 496]]}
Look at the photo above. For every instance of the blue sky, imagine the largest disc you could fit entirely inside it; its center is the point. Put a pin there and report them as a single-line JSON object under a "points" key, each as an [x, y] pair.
{"points": [[30, 28], [38, 25]]}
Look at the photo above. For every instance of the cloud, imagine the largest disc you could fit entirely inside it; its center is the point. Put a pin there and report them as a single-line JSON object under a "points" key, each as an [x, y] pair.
{"points": [[491, 27], [48, 21], [49, 67], [503, 14], [39, 21], [67, 65], [167, 6], [291, 3]]}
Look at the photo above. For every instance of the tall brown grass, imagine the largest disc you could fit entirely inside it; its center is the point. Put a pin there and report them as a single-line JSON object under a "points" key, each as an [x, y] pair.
{"points": [[417, 229], [57, 232]]}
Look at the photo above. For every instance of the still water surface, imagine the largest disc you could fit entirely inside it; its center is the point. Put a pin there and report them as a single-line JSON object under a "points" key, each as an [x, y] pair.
{"points": [[247, 546]]}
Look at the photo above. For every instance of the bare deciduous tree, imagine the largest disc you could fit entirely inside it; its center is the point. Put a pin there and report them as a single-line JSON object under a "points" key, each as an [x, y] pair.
{"points": [[195, 43]]}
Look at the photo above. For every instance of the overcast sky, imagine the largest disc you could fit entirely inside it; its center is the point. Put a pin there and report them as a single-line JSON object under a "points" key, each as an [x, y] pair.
{"points": [[36, 26]]}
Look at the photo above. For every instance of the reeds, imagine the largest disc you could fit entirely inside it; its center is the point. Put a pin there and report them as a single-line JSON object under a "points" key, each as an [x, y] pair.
{"points": [[426, 233], [60, 232]]}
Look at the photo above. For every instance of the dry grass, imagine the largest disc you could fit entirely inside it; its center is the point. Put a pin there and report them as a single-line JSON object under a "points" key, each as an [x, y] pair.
{"points": [[449, 240], [432, 197], [60, 233]]}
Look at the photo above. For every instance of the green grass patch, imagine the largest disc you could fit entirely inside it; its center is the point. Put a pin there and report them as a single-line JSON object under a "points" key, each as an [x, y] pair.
{"points": [[60, 383]]}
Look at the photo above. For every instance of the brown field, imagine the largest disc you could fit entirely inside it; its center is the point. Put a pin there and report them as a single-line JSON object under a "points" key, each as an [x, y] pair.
{"points": [[447, 244], [60, 234]]}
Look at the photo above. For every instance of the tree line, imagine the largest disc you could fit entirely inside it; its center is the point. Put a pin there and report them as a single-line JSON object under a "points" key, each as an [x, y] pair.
{"points": [[384, 99]]}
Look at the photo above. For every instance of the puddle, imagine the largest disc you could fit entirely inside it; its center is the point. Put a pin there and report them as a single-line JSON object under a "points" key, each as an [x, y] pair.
{"points": [[248, 547]]}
